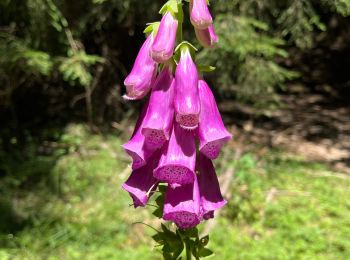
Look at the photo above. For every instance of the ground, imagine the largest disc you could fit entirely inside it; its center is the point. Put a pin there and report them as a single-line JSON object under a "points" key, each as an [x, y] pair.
{"points": [[312, 124], [69, 204]]}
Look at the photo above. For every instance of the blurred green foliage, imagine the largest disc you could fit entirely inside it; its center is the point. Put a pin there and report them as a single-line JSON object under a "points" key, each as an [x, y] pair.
{"points": [[69, 205], [48, 41], [285, 208], [255, 36]]}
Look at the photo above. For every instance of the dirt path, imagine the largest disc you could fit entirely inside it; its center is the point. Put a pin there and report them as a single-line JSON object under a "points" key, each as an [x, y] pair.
{"points": [[315, 126]]}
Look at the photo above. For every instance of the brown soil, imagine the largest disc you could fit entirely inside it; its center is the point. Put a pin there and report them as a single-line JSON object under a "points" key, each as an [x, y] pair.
{"points": [[315, 126]]}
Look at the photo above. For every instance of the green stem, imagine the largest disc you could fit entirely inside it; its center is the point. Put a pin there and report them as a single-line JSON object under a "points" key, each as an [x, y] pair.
{"points": [[188, 250], [179, 33], [180, 16]]}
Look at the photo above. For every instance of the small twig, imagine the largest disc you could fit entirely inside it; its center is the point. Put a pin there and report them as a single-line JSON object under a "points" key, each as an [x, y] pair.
{"points": [[77, 98], [138, 222], [331, 175], [71, 41]]}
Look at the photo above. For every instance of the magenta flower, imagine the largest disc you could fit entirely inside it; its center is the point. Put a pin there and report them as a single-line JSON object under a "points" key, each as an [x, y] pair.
{"points": [[136, 147], [182, 205], [158, 121], [212, 133], [178, 160], [211, 198], [180, 110], [141, 182], [140, 80], [164, 43], [207, 37], [186, 102], [200, 15]]}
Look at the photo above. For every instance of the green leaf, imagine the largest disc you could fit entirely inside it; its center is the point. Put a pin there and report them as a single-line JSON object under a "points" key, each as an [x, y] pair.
{"points": [[76, 68], [167, 256], [205, 68], [178, 252], [158, 238], [160, 200], [167, 248], [205, 252], [158, 213]]}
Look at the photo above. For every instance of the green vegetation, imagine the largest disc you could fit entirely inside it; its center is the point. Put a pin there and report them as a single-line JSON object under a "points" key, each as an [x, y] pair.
{"points": [[68, 204], [285, 208], [72, 43], [74, 206], [62, 65]]}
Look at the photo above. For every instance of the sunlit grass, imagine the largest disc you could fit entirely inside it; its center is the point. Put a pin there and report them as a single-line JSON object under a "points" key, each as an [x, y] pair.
{"points": [[287, 209]]}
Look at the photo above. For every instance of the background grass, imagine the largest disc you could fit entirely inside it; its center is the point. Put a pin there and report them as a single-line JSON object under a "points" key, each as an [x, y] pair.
{"points": [[67, 203]]}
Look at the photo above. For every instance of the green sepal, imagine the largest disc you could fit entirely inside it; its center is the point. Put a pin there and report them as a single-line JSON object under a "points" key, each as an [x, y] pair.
{"points": [[151, 28], [160, 201], [204, 252], [176, 57], [171, 6], [185, 45], [158, 213], [193, 232], [171, 65], [175, 8], [205, 68]]}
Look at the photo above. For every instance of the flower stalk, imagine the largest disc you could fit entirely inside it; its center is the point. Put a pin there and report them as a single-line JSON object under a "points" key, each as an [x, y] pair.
{"points": [[180, 112], [188, 250]]}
